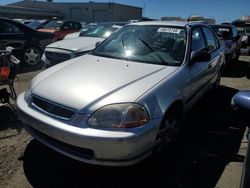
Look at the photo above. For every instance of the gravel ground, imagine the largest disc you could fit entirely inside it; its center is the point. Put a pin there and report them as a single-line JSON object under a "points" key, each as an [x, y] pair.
{"points": [[209, 153]]}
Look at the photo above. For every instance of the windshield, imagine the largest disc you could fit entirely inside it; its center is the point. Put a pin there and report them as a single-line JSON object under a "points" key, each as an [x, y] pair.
{"points": [[55, 24], [34, 24], [163, 45], [101, 31]]}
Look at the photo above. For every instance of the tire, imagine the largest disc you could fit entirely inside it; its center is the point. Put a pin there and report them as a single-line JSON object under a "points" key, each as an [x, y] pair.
{"points": [[168, 131], [32, 55]]}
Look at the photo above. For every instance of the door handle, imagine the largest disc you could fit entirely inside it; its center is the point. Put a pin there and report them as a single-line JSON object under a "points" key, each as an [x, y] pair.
{"points": [[209, 66]]}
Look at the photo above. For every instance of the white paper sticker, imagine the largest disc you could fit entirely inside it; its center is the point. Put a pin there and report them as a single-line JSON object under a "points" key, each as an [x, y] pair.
{"points": [[168, 30]]}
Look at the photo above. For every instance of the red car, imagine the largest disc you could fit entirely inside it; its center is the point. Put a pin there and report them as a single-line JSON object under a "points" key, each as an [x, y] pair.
{"points": [[61, 28]]}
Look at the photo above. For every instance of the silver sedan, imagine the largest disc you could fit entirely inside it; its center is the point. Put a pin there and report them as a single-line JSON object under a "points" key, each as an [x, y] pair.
{"points": [[125, 99]]}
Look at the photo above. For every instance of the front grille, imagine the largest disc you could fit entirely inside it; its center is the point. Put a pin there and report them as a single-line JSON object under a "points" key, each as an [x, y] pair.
{"points": [[55, 57], [52, 108], [76, 151]]}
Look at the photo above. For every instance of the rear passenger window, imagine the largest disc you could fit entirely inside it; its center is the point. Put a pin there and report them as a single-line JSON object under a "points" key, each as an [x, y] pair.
{"points": [[198, 42], [212, 43], [6, 27]]}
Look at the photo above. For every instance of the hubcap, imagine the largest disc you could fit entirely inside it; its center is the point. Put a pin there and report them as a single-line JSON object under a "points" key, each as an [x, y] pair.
{"points": [[32, 56]]}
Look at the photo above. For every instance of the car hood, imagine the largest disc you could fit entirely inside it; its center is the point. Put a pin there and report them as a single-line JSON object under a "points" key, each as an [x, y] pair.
{"points": [[72, 35], [78, 44], [91, 82]]}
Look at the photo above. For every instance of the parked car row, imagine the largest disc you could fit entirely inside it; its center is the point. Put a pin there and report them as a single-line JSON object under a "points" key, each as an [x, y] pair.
{"points": [[28, 43], [244, 27], [230, 39], [80, 43], [125, 99], [67, 49]]}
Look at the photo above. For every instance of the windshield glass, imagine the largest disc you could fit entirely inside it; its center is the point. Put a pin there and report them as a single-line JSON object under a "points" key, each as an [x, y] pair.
{"points": [[163, 45], [55, 24], [101, 31], [34, 24]]}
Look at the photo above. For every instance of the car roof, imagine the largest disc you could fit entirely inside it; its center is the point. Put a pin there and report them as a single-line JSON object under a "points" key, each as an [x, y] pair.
{"points": [[222, 26], [169, 23], [112, 23]]}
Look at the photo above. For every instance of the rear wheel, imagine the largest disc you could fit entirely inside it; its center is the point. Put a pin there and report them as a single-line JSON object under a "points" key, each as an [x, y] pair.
{"points": [[32, 55]]}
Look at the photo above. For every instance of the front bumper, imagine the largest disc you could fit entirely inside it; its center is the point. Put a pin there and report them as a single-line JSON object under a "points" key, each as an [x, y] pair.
{"points": [[95, 146]]}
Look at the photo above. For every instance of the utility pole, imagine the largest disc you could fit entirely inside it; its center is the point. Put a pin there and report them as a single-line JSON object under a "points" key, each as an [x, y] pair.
{"points": [[143, 10]]}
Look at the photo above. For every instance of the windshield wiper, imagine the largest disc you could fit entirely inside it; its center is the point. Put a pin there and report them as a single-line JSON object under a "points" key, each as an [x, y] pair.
{"points": [[152, 50], [124, 51]]}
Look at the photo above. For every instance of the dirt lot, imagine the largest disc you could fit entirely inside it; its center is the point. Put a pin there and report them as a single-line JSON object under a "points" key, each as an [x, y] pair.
{"points": [[209, 153]]}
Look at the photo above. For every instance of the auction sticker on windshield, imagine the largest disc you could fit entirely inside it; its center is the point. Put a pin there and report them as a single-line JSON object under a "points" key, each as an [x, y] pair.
{"points": [[168, 30]]}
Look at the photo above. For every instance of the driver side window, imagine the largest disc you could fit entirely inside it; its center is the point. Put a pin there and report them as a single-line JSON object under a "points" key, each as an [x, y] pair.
{"points": [[198, 42], [5, 27]]}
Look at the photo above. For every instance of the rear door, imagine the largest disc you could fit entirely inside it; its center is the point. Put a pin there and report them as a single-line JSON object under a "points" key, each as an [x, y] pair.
{"points": [[213, 47], [198, 71]]}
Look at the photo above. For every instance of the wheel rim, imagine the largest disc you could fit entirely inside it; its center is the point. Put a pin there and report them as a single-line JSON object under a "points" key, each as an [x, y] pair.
{"points": [[32, 56], [168, 131]]}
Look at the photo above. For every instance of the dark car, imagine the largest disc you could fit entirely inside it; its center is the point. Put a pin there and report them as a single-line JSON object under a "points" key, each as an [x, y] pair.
{"points": [[241, 102], [228, 35], [28, 43], [61, 28]]}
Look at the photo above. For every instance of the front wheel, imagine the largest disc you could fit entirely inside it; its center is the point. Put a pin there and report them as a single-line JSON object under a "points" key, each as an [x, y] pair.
{"points": [[167, 133], [32, 55]]}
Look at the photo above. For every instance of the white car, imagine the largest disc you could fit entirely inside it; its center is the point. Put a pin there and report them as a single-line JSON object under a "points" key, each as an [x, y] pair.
{"points": [[77, 34], [125, 99], [67, 49]]}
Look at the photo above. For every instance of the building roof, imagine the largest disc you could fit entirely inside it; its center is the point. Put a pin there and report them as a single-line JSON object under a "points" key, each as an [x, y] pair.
{"points": [[30, 3], [17, 11]]}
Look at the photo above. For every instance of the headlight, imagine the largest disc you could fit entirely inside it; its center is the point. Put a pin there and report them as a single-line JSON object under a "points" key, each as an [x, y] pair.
{"points": [[125, 115]]}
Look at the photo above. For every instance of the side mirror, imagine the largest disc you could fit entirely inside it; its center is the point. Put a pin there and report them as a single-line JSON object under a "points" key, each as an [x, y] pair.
{"points": [[199, 56], [241, 100], [97, 43]]}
